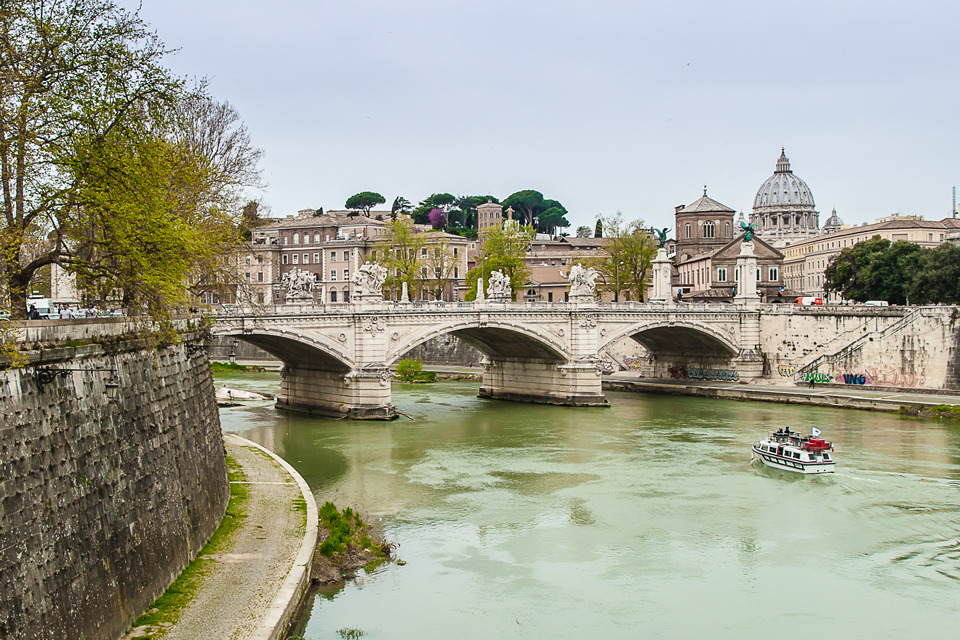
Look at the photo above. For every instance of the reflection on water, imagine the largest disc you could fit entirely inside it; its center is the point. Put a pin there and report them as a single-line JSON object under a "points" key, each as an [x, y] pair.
{"points": [[646, 519]]}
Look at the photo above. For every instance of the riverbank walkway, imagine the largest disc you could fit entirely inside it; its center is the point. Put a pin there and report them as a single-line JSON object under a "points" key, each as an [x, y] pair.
{"points": [[847, 396], [254, 585]]}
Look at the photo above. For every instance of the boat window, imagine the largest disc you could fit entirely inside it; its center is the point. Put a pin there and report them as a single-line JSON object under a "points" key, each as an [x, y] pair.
{"points": [[796, 454], [826, 456]]}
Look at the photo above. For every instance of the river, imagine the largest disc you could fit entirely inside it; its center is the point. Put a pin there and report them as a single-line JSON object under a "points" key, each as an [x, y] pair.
{"points": [[646, 519]]}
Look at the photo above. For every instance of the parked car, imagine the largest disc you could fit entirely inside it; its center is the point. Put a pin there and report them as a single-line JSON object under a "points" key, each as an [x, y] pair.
{"points": [[877, 303]]}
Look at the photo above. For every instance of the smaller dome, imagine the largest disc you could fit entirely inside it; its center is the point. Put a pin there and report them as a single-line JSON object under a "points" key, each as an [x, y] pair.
{"points": [[783, 188], [833, 223]]}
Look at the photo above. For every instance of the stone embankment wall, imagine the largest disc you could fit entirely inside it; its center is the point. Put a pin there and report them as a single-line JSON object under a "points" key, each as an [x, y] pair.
{"points": [[103, 502], [910, 347]]}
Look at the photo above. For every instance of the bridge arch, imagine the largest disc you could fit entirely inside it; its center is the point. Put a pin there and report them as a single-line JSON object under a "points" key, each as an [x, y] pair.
{"points": [[496, 340], [295, 348], [678, 338]]}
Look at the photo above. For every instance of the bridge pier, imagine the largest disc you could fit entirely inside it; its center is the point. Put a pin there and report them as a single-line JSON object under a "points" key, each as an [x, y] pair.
{"points": [[575, 383], [362, 394]]}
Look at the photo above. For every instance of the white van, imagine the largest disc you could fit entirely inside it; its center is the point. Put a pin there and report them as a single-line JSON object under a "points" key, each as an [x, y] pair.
{"points": [[877, 303]]}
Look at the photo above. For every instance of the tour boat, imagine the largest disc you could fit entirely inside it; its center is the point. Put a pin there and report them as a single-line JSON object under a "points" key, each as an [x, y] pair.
{"points": [[793, 451]]}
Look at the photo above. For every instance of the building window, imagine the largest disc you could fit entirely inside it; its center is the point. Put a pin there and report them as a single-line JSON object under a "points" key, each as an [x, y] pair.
{"points": [[333, 295], [260, 297], [283, 259], [333, 256], [296, 258], [346, 256], [247, 276], [686, 230], [550, 296], [333, 274], [286, 240], [246, 260], [296, 238], [708, 229], [259, 259], [316, 237], [316, 258], [423, 252], [721, 275], [346, 275], [260, 276], [774, 274], [726, 226]]}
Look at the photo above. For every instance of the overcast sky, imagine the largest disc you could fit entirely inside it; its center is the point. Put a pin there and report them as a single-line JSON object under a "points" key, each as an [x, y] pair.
{"points": [[604, 105]]}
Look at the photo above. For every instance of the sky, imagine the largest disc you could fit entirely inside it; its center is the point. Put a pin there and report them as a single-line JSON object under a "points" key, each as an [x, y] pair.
{"points": [[603, 105]]}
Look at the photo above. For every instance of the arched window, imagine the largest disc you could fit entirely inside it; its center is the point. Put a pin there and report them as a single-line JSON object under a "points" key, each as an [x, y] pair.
{"points": [[296, 238], [316, 237], [686, 230], [727, 227], [708, 229]]}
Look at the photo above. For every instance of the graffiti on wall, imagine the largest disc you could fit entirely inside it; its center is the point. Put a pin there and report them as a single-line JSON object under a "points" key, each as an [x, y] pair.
{"points": [[695, 373], [633, 363], [884, 377], [893, 378], [853, 378], [787, 370]]}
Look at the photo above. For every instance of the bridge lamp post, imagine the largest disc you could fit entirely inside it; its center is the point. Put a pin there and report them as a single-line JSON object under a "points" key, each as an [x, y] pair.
{"points": [[616, 280]]}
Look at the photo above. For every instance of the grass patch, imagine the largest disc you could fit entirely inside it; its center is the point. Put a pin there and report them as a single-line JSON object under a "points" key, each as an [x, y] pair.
{"points": [[346, 528], [232, 367], [411, 370], [945, 411], [300, 506], [166, 609]]}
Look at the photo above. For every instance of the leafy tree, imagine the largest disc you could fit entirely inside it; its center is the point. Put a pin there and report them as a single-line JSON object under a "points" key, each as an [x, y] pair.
{"points": [[891, 272], [409, 368], [937, 276], [74, 73], [530, 207], [400, 206], [251, 219], [438, 218], [503, 249], [400, 253], [442, 201], [364, 201], [583, 232], [160, 207], [598, 230], [628, 259], [849, 272]]}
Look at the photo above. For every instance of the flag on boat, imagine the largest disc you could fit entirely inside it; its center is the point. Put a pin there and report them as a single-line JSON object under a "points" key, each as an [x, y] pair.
{"points": [[816, 432]]}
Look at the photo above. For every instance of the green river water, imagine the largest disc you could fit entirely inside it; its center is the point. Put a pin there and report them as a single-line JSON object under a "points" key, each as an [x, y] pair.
{"points": [[643, 520]]}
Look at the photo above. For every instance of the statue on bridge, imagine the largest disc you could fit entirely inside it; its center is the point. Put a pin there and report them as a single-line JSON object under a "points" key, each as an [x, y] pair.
{"points": [[299, 285], [370, 278], [582, 283], [661, 235], [499, 289]]}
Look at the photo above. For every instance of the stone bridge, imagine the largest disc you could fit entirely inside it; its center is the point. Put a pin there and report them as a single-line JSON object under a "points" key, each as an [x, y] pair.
{"points": [[337, 358]]}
